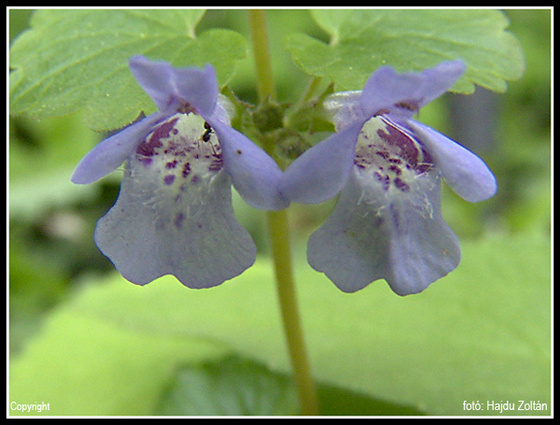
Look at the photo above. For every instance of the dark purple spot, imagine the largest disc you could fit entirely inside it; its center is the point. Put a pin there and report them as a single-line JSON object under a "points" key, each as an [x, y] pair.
{"points": [[395, 170], [426, 164], [382, 154], [381, 112], [186, 108], [163, 131], [169, 179], [216, 165], [383, 179], [409, 106], [407, 147], [426, 156], [186, 169], [401, 185], [171, 164], [148, 147], [423, 168], [179, 218]]}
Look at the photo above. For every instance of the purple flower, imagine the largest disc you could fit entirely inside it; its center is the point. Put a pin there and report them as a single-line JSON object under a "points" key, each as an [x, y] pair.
{"points": [[387, 168], [174, 213]]}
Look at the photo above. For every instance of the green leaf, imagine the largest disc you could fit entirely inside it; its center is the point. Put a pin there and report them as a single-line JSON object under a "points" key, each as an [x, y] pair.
{"points": [[410, 40], [231, 387], [480, 333], [237, 386], [336, 401], [75, 59], [84, 365]]}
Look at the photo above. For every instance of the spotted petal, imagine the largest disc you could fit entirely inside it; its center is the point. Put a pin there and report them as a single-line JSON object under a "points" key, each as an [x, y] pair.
{"points": [[191, 233], [372, 235]]}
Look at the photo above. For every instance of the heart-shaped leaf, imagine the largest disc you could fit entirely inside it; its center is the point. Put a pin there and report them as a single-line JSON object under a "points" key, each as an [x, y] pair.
{"points": [[410, 40], [71, 59]]}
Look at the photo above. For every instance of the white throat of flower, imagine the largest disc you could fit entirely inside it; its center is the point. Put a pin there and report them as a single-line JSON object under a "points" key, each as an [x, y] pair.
{"points": [[393, 168], [390, 156], [178, 161]]}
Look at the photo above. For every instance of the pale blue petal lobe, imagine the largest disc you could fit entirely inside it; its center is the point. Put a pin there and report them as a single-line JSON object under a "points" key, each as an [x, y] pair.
{"points": [[373, 235], [176, 89], [402, 95], [386, 87], [438, 80], [463, 171], [255, 175], [157, 80], [191, 233], [322, 171], [113, 151]]}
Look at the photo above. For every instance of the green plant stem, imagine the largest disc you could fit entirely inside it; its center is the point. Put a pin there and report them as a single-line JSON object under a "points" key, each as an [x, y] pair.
{"points": [[261, 53], [285, 285], [280, 239]]}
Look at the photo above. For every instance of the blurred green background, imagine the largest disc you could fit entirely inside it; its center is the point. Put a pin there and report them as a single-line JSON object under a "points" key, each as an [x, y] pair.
{"points": [[489, 320]]}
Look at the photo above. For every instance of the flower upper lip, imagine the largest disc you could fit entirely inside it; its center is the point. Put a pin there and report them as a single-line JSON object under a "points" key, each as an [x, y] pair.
{"points": [[173, 90], [398, 97]]}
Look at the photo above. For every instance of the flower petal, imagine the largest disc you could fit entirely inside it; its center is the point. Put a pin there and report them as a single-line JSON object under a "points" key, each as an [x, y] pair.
{"points": [[171, 88], [322, 171], [254, 174], [465, 172], [192, 233], [402, 95], [386, 87], [372, 235], [111, 152], [343, 108], [439, 79]]}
